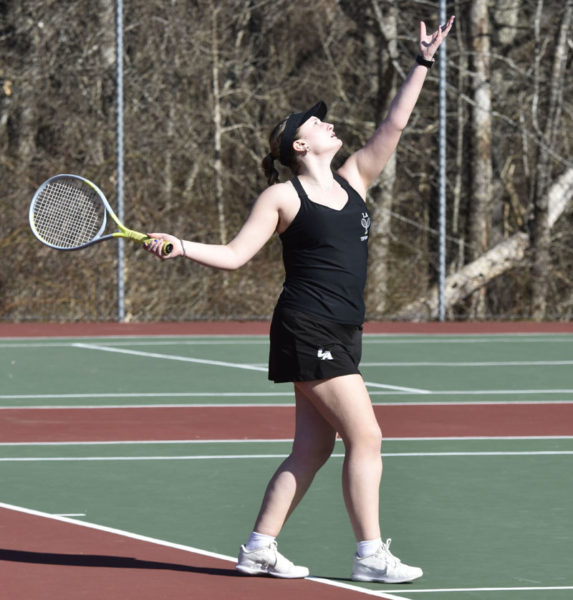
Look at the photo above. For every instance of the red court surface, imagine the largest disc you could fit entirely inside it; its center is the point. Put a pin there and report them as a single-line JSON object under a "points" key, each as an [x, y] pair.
{"points": [[39, 329], [47, 559], [267, 422]]}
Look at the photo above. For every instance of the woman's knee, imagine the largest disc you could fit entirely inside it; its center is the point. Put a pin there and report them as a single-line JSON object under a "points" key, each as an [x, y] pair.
{"points": [[314, 452], [367, 440]]}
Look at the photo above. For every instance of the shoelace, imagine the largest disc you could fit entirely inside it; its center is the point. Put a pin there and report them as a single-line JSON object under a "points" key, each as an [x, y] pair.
{"points": [[388, 556], [279, 558]]}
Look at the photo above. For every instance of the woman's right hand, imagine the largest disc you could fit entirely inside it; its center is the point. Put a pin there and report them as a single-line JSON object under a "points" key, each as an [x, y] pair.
{"points": [[159, 240]]}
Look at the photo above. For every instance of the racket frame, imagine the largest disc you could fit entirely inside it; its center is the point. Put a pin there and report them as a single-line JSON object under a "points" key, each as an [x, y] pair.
{"points": [[123, 232]]}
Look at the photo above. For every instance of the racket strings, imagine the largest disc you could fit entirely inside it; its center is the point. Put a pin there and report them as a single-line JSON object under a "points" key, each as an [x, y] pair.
{"points": [[68, 214]]}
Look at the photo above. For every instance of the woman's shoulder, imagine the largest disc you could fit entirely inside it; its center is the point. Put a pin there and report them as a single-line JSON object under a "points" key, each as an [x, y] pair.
{"points": [[279, 193], [350, 173], [282, 198]]}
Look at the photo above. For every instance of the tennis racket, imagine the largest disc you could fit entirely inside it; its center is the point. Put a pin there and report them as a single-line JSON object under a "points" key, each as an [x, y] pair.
{"points": [[69, 212]]}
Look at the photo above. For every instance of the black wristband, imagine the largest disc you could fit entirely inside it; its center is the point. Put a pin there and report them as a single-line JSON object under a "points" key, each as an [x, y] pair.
{"points": [[425, 63]]}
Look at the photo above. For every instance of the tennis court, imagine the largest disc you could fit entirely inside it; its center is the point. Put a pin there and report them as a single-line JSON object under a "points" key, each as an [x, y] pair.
{"points": [[133, 466]]}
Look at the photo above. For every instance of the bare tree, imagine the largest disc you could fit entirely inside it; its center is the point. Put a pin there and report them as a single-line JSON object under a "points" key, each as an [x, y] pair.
{"points": [[540, 231], [385, 55], [506, 15], [503, 257], [479, 218], [30, 29]]}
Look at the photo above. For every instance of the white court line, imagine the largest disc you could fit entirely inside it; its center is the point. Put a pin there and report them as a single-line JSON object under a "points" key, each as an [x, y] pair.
{"points": [[398, 388], [277, 456], [139, 406], [216, 339], [498, 392], [291, 395], [149, 395], [506, 363], [70, 343], [468, 339], [219, 363], [190, 549], [251, 342], [550, 588], [276, 405], [201, 361], [428, 403], [289, 440], [140, 458], [347, 586], [277, 394]]}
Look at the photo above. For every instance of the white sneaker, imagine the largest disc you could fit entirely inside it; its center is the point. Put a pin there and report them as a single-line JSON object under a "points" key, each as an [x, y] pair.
{"points": [[384, 567], [268, 561]]}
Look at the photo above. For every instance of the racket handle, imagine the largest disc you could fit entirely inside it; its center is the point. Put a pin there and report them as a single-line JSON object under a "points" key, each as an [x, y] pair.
{"points": [[167, 249]]}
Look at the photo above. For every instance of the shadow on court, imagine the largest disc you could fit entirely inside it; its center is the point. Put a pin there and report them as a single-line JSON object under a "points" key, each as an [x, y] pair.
{"points": [[102, 561]]}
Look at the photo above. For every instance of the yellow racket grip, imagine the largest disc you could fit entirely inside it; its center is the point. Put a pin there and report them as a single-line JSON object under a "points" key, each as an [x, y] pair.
{"points": [[142, 239], [166, 249]]}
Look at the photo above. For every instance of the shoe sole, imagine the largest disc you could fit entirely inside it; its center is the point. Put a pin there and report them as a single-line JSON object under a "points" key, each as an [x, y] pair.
{"points": [[251, 571], [380, 580]]}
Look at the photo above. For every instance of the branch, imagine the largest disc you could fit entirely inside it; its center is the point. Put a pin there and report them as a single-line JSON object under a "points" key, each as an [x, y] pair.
{"points": [[507, 255]]}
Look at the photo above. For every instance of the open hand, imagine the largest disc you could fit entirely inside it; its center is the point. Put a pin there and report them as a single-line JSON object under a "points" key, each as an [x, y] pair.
{"points": [[429, 44]]}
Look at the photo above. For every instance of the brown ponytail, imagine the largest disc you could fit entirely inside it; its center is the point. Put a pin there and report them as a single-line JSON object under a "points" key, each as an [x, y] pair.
{"points": [[270, 170]]}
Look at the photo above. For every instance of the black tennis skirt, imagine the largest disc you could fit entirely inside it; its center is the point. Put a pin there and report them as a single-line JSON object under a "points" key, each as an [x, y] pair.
{"points": [[306, 348]]}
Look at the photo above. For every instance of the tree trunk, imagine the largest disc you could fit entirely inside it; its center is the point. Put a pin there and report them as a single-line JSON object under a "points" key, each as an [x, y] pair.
{"points": [[107, 42], [381, 196], [540, 231], [217, 125], [481, 169], [506, 15], [25, 139]]}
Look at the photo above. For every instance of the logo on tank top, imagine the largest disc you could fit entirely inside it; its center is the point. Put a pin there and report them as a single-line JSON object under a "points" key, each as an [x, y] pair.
{"points": [[365, 222]]}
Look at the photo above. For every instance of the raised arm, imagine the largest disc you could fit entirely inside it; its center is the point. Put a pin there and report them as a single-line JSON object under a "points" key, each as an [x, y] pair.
{"points": [[363, 167], [256, 231]]}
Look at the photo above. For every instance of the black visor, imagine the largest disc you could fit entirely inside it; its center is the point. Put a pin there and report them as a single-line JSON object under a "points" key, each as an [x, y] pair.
{"points": [[294, 121]]}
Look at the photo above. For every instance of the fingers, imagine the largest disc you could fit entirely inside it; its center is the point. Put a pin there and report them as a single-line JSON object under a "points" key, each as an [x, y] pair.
{"points": [[155, 245], [443, 30], [446, 28], [430, 43]]}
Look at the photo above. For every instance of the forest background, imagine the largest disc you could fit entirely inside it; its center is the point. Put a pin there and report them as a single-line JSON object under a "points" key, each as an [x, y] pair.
{"points": [[206, 80]]}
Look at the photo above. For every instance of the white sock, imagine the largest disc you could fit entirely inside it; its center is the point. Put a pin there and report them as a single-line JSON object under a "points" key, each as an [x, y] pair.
{"points": [[259, 540], [368, 547]]}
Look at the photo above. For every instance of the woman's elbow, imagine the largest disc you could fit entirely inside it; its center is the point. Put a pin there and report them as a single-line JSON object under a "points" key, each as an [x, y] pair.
{"points": [[234, 260], [231, 267], [396, 123]]}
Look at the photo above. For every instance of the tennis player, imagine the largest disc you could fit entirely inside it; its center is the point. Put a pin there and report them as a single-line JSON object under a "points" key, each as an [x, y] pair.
{"points": [[316, 330]]}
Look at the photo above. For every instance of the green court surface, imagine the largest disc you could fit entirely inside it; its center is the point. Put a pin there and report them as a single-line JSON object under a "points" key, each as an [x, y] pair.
{"points": [[487, 518]]}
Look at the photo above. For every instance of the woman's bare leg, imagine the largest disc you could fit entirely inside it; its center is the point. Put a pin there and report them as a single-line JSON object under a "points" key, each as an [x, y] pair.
{"points": [[344, 402], [313, 443]]}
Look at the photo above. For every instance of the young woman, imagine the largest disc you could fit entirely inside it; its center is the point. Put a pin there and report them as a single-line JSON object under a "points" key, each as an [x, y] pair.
{"points": [[316, 331]]}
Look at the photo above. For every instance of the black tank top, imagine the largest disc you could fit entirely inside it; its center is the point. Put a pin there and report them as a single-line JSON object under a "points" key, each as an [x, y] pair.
{"points": [[325, 253]]}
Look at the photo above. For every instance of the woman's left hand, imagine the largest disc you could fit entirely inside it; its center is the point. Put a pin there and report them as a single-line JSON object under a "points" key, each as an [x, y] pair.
{"points": [[429, 44]]}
